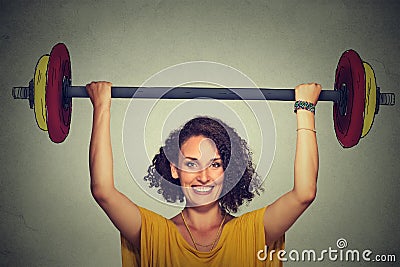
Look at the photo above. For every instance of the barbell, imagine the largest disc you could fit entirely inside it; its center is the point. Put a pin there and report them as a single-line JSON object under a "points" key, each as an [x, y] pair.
{"points": [[356, 97]]}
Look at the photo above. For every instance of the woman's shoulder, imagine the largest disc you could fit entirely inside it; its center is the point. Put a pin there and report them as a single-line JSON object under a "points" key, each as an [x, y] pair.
{"points": [[149, 215], [251, 216], [177, 220], [247, 225]]}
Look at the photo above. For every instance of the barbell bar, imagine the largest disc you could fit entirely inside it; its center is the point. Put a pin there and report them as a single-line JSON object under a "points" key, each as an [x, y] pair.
{"points": [[355, 95]]}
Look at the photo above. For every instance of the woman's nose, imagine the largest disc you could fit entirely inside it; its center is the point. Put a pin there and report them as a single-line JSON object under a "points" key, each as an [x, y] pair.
{"points": [[203, 176]]}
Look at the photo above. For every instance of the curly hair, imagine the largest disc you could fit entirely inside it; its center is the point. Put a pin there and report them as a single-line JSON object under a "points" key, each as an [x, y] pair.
{"points": [[241, 181]]}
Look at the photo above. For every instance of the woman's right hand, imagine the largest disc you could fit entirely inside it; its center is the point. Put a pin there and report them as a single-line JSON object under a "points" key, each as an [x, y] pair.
{"points": [[124, 214], [100, 94]]}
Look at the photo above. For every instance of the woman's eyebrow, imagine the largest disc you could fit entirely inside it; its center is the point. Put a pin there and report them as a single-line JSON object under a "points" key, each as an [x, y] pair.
{"points": [[195, 159], [191, 158]]}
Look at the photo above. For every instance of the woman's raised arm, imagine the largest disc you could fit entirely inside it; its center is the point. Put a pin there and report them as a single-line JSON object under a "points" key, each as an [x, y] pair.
{"points": [[281, 214], [122, 212]]}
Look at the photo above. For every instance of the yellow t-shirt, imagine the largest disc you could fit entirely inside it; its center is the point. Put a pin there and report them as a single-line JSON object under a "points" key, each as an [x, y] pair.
{"points": [[163, 245]]}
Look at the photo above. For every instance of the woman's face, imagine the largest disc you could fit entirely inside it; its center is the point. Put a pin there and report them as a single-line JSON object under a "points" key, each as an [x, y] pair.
{"points": [[200, 171]]}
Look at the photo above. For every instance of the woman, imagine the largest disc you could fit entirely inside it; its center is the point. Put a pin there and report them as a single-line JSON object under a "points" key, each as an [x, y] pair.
{"points": [[204, 233]]}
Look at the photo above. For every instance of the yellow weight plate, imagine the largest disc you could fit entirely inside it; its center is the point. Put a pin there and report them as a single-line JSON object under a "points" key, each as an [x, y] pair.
{"points": [[370, 99], [40, 82]]}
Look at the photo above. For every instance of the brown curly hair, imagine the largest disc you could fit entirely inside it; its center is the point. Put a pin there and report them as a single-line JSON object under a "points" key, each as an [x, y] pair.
{"points": [[241, 181]]}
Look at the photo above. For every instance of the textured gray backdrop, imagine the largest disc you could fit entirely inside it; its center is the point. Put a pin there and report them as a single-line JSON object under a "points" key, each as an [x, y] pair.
{"points": [[47, 215]]}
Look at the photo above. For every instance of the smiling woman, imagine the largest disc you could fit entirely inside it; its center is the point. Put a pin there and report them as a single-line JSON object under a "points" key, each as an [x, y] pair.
{"points": [[209, 165]]}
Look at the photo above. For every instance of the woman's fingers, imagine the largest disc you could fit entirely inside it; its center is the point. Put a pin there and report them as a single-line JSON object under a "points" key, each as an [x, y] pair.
{"points": [[99, 93], [308, 92]]}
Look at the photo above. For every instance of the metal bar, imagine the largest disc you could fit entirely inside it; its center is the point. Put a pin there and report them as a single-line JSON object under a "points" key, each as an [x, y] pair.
{"points": [[201, 92]]}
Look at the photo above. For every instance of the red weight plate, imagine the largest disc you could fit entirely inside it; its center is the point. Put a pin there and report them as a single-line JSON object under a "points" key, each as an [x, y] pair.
{"points": [[58, 115], [350, 71]]}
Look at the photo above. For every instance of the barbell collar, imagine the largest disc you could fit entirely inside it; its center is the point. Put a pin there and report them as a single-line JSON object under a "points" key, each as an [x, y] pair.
{"points": [[25, 93], [20, 92], [387, 99]]}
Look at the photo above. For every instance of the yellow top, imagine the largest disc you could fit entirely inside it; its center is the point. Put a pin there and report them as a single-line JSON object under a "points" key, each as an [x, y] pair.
{"points": [[163, 245]]}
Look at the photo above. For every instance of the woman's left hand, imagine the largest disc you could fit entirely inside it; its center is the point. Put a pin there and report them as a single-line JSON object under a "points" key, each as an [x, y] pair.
{"points": [[308, 92]]}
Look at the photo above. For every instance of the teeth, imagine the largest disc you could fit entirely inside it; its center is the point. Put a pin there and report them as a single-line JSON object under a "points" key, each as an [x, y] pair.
{"points": [[202, 188]]}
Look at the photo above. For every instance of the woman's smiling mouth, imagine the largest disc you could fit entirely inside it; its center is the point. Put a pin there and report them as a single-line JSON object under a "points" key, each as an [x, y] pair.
{"points": [[202, 190]]}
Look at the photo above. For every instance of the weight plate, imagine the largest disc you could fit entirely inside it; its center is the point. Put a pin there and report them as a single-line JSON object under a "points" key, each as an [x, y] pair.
{"points": [[370, 99], [58, 114], [39, 88], [348, 126]]}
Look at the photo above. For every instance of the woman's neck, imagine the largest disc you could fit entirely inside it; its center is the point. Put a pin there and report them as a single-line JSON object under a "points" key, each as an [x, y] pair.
{"points": [[203, 217]]}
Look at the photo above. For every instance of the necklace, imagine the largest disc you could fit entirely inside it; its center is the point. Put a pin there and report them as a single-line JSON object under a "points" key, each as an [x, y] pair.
{"points": [[197, 244]]}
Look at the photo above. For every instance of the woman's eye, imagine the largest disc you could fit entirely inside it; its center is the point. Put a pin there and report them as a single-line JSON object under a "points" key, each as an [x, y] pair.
{"points": [[190, 164], [216, 164]]}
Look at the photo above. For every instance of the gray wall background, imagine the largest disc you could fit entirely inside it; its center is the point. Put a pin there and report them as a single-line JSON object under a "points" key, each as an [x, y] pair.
{"points": [[47, 215]]}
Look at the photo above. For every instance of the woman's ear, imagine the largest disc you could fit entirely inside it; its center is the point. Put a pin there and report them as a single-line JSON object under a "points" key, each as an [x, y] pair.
{"points": [[174, 171]]}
